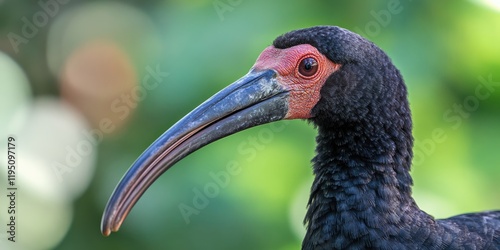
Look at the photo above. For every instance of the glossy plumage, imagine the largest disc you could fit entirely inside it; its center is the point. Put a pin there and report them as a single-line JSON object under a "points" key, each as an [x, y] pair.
{"points": [[361, 195]]}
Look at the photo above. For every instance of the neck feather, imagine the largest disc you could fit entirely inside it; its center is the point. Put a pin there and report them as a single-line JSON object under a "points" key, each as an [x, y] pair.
{"points": [[362, 185]]}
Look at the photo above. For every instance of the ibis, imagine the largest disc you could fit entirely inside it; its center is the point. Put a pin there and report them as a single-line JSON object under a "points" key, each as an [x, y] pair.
{"points": [[349, 89]]}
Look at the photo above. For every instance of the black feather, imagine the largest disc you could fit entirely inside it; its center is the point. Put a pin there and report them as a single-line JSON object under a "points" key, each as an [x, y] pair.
{"points": [[361, 195]]}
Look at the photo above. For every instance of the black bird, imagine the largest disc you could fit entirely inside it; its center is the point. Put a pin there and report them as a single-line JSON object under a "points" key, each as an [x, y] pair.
{"points": [[350, 90]]}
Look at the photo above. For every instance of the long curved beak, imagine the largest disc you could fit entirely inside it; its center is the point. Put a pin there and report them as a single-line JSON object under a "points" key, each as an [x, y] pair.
{"points": [[256, 98]]}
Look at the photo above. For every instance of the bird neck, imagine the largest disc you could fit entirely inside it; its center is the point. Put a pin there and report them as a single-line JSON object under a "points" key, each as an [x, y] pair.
{"points": [[362, 180]]}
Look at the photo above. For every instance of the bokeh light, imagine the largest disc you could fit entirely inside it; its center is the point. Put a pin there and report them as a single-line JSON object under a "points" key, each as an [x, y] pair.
{"points": [[493, 4], [73, 95], [55, 164], [15, 90], [59, 154], [97, 79]]}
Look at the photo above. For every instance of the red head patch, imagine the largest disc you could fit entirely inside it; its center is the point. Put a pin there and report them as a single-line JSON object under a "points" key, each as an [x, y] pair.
{"points": [[303, 70]]}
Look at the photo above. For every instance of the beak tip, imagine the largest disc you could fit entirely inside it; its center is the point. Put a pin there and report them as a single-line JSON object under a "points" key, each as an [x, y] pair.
{"points": [[106, 229], [106, 233]]}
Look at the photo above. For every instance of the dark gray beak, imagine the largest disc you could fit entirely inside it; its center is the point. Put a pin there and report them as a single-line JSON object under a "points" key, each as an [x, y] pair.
{"points": [[257, 98]]}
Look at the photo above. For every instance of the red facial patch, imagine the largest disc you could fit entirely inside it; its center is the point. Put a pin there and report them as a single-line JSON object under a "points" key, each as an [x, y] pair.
{"points": [[304, 90]]}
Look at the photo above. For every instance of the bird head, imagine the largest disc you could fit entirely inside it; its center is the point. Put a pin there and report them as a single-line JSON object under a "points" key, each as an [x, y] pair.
{"points": [[324, 74]]}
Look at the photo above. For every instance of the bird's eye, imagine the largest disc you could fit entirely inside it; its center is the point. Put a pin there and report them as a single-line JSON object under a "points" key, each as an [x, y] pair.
{"points": [[308, 66]]}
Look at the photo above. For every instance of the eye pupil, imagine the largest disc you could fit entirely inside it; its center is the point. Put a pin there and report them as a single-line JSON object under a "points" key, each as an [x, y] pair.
{"points": [[308, 66]]}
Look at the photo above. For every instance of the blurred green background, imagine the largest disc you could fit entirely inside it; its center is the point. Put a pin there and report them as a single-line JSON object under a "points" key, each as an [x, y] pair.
{"points": [[79, 96]]}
